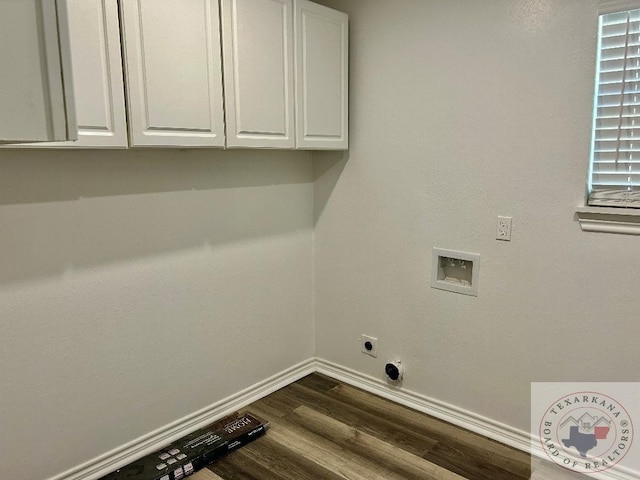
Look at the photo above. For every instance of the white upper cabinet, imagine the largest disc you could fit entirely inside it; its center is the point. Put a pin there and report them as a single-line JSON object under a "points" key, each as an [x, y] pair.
{"points": [[286, 74], [36, 101], [322, 49], [173, 72], [97, 76], [258, 73], [284, 63]]}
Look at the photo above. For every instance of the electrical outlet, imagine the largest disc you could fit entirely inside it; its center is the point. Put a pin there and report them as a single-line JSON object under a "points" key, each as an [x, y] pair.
{"points": [[369, 345], [504, 229]]}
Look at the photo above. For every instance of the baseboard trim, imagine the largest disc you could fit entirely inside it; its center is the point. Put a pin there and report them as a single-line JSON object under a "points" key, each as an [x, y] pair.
{"points": [[153, 441]]}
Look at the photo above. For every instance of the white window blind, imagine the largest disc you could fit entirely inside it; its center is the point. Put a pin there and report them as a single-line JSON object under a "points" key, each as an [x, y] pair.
{"points": [[615, 154]]}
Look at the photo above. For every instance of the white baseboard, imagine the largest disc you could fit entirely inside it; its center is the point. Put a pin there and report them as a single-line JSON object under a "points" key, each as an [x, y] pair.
{"points": [[466, 419], [153, 441]]}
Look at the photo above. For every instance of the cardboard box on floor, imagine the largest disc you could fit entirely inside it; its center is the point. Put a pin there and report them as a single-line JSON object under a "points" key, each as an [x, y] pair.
{"points": [[195, 451]]}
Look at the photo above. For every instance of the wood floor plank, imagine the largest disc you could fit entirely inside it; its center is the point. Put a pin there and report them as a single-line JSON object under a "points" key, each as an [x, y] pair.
{"points": [[278, 403], [275, 457], [205, 474], [399, 435], [274, 407], [473, 463], [344, 463], [487, 450], [236, 466], [318, 382], [396, 459]]}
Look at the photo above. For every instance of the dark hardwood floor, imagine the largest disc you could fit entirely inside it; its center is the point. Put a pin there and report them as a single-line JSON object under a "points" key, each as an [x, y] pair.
{"points": [[323, 429]]}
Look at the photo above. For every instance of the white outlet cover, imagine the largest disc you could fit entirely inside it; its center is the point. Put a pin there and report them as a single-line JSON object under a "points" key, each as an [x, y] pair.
{"points": [[374, 341], [503, 231]]}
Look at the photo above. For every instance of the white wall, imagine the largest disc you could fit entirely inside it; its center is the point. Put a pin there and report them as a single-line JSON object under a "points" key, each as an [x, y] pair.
{"points": [[462, 111], [137, 287]]}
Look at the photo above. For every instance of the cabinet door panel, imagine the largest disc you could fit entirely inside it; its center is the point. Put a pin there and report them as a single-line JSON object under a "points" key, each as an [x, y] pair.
{"points": [[174, 72], [321, 77], [258, 61], [97, 76], [97, 72], [35, 101]]}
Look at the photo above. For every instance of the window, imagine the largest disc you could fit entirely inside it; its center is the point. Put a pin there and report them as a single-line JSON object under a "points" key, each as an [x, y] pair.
{"points": [[615, 150], [614, 173]]}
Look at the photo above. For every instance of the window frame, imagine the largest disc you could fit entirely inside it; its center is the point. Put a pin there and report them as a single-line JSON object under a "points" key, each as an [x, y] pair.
{"points": [[618, 219]]}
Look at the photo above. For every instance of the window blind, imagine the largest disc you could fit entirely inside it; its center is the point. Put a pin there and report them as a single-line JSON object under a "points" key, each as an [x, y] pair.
{"points": [[615, 154]]}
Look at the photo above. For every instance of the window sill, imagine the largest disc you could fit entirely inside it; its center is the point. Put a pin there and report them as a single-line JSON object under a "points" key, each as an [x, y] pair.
{"points": [[609, 220]]}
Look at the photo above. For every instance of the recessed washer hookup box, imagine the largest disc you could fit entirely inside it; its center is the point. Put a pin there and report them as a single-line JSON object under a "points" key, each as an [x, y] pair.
{"points": [[195, 451]]}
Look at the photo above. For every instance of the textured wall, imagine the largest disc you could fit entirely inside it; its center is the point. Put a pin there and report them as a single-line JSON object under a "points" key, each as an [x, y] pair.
{"points": [[137, 287], [462, 111]]}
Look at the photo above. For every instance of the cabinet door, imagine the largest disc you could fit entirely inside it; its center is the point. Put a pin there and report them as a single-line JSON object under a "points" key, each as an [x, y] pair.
{"points": [[94, 33], [174, 72], [258, 72], [322, 100], [35, 84], [97, 73]]}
